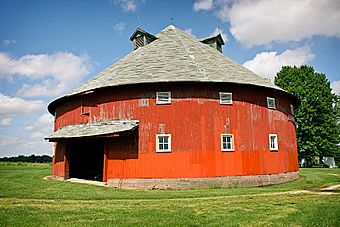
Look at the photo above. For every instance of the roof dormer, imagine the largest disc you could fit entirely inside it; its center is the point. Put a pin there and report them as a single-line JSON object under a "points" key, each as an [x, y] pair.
{"points": [[141, 38], [214, 41]]}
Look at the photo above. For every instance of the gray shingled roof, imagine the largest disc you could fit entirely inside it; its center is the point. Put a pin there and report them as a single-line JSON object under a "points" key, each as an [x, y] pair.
{"points": [[93, 129], [174, 57]]}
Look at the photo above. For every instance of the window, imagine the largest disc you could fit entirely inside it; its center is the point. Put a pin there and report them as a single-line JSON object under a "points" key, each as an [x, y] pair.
{"points": [[84, 108], [227, 142], [163, 97], [292, 110], [163, 142], [226, 98], [273, 145], [271, 103]]}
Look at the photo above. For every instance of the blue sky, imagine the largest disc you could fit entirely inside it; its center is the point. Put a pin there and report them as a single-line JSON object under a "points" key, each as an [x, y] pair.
{"points": [[48, 48]]}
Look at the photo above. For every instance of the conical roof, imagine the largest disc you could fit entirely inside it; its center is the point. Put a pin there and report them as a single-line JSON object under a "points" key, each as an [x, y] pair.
{"points": [[174, 56]]}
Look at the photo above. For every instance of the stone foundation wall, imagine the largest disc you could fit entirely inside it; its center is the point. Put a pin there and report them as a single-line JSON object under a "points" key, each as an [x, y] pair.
{"points": [[188, 183]]}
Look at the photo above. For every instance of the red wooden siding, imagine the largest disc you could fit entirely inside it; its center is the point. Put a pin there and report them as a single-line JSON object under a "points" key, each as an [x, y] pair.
{"points": [[195, 120], [60, 165]]}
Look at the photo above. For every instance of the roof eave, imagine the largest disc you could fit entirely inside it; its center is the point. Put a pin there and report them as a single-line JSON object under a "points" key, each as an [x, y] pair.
{"points": [[219, 37], [53, 105], [141, 31]]}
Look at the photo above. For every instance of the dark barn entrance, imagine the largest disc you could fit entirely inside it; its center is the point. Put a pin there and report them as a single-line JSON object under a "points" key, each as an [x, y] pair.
{"points": [[86, 158]]}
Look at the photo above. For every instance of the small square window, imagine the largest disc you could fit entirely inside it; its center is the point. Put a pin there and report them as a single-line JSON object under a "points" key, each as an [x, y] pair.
{"points": [[227, 142], [163, 97], [273, 145], [271, 103], [163, 142], [292, 112], [226, 98]]}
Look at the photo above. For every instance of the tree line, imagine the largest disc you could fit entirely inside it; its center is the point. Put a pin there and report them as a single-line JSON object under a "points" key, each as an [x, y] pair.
{"points": [[32, 158], [317, 115]]}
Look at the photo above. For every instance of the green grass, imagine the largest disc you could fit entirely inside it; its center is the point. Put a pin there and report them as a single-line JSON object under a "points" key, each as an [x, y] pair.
{"points": [[28, 200]]}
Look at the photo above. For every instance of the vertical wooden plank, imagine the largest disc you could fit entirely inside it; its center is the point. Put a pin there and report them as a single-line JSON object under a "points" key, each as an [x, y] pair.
{"points": [[195, 119]]}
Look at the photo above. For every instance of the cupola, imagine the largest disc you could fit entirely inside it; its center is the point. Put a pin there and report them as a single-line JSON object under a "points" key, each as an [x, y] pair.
{"points": [[141, 38], [214, 41]]}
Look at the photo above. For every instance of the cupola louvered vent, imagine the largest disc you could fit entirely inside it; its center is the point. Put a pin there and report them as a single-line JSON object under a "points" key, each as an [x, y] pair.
{"points": [[138, 42]]}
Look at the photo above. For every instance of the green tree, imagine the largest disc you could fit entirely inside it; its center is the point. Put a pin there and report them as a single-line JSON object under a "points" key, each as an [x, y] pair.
{"points": [[317, 128]]}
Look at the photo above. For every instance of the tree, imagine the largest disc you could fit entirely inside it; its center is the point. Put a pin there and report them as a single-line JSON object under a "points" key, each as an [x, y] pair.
{"points": [[317, 127], [32, 158]]}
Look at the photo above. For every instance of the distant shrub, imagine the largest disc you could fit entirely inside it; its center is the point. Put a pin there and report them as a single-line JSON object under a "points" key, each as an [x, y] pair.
{"points": [[32, 159]]}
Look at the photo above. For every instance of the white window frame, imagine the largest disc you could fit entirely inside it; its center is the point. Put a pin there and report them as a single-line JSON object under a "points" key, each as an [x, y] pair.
{"points": [[226, 101], [276, 143], [169, 143], [268, 102], [232, 142], [159, 101]]}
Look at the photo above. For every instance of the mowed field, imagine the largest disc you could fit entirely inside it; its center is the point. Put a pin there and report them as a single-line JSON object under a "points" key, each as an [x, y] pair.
{"points": [[26, 199]]}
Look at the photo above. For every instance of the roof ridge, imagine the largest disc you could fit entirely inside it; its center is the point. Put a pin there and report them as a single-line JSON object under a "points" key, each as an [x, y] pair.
{"points": [[192, 57]]}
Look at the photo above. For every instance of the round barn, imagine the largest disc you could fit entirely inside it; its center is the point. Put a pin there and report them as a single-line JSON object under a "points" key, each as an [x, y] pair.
{"points": [[175, 113]]}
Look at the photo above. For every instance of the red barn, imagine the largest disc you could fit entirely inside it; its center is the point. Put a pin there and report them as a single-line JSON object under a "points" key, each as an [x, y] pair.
{"points": [[175, 113]]}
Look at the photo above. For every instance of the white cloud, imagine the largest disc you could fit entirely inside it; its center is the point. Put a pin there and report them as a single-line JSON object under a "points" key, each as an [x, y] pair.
{"points": [[203, 5], [335, 85], [7, 141], [37, 135], [120, 26], [50, 87], [267, 64], [128, 5], [30, 140], [57, 73], [45, 119], [24, 145], [29, 127], [262, 22], [223, 34], [18, 106], [43, 123], [8, 42], [6, 122]]}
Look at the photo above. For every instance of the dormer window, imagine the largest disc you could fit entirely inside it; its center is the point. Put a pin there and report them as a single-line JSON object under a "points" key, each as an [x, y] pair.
{"points": [[163, 97], [141, 38]]}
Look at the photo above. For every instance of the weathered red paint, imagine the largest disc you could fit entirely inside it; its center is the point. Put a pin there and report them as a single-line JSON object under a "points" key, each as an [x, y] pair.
{"points": [[195, 120]]}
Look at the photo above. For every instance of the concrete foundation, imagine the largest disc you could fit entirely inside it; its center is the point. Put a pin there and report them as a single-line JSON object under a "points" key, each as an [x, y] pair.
{"points": [[190, 183]]}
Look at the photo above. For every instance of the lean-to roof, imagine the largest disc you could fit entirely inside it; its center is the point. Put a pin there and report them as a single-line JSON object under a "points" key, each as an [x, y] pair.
{"points": [[92, 129]]}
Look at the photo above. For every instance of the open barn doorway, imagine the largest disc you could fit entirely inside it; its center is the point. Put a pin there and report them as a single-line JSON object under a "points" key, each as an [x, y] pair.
{"points": [[86, 158]]}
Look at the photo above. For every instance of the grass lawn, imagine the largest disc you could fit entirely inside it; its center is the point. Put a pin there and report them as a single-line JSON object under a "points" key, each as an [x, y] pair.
{"points": [[28, 200]]}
